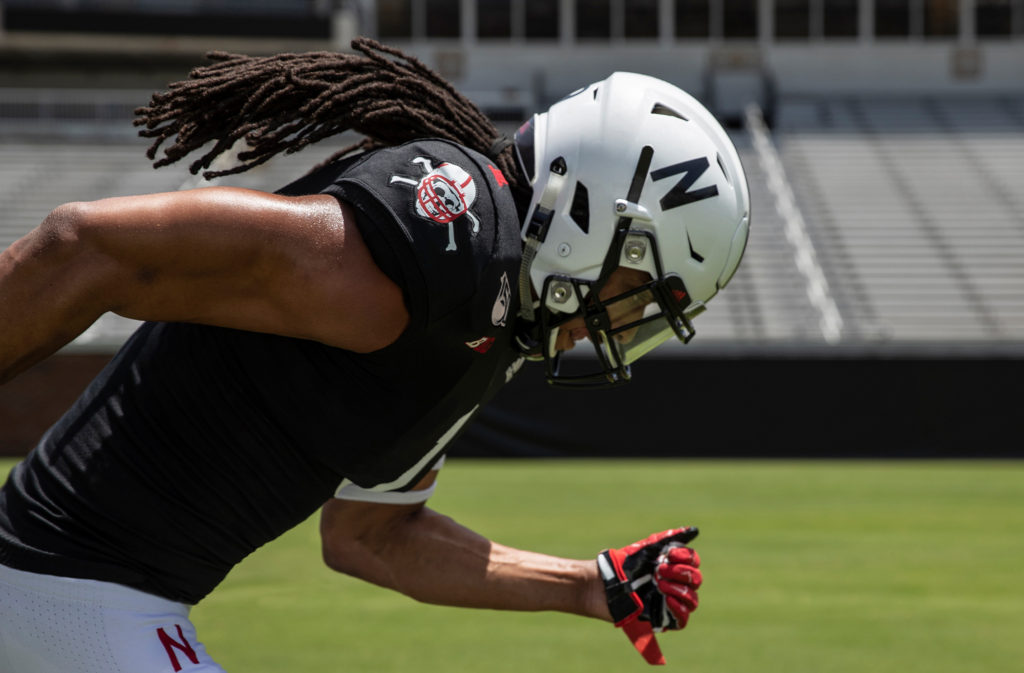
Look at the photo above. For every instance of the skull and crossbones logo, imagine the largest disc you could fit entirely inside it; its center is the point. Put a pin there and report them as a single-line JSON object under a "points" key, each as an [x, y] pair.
{"points": [[443, 195]]}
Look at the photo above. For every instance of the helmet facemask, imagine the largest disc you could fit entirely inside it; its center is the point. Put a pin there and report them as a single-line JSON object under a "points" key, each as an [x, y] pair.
{"points": [[621, 328], [627, 325]]}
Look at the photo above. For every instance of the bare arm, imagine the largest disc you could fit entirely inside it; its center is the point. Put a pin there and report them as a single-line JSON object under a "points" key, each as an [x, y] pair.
{"points": [[294, 266], [433, 559]]}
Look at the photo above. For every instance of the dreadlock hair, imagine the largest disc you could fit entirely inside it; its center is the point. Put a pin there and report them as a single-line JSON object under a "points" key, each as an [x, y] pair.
{"points": [[287, 102]]}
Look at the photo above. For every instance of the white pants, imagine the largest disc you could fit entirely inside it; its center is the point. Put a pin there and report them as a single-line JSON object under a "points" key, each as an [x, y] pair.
{"points": [[63, 625]]}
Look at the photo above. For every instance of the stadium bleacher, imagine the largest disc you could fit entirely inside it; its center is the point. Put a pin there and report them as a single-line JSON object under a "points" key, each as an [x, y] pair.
{"points": [[917, 209], [294, 18], [912, 208]]}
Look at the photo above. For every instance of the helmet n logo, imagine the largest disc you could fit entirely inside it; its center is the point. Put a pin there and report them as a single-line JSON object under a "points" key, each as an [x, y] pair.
{"points": [[680, 194], [443, 195]]}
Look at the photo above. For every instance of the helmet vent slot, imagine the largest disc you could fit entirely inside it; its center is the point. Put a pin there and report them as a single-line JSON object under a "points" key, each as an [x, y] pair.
{"points": [[697, 257], [579, 211], [661, 109], [721, 164]]}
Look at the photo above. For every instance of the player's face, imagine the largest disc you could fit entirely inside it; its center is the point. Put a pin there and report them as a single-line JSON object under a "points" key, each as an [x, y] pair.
{"points": [[627, 310]]}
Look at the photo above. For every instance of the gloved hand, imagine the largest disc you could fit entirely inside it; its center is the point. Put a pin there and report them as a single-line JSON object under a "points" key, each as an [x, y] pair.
{"points": [[651, 585]]}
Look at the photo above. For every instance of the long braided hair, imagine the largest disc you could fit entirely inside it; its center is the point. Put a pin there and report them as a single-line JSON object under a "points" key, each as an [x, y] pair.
{"points": [[287, 102]]}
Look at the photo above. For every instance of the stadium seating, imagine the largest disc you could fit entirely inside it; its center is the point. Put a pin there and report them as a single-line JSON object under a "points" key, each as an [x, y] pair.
{"points": [[916, 209], [912, 209]]}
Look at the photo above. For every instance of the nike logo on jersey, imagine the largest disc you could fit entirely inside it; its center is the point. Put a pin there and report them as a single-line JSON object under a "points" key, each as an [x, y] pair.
{"points": [[499, 312], [513, 368]]}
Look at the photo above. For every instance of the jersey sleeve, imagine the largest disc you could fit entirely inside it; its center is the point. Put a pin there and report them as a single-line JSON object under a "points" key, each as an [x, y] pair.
{"points": [[350, 491], [428, 210]]}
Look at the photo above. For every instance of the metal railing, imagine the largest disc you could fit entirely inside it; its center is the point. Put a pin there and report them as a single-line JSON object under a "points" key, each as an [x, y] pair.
{"points": [[300, 8], [69, 112]]}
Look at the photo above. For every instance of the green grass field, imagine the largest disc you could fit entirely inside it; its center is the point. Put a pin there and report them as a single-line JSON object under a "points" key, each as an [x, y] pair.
{"points": [[809, 566]]}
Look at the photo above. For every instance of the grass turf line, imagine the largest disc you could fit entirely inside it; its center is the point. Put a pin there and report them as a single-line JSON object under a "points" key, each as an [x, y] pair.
{"points": [[809, 566]]}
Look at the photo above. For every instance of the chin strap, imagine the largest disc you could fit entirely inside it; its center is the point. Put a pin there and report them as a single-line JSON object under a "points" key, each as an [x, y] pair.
{"points": [[527, 337], [536, 232]]}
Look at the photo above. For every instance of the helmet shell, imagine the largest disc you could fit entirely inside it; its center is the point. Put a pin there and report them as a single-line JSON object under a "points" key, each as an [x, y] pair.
{"points": [[695, 200]]}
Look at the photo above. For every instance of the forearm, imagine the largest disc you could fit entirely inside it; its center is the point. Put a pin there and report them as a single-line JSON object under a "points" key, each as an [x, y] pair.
{"points": [[433, 559]]}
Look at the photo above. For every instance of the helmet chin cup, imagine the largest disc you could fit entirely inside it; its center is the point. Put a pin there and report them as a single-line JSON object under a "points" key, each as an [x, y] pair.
{"points": [[620, 328]]}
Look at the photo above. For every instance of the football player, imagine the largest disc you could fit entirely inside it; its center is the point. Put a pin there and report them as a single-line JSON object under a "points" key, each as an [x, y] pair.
{"points": [[324, 344]]}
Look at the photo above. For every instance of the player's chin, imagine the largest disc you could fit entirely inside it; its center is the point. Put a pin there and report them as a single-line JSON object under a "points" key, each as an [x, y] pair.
{"points": [[564, 341]]}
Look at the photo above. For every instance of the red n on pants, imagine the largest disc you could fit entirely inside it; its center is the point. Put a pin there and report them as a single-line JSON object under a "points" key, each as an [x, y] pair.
{"points": [[170, 644]]}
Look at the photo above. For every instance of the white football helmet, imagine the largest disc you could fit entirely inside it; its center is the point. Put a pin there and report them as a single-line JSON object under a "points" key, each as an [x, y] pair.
{"points": [[632, 172]]}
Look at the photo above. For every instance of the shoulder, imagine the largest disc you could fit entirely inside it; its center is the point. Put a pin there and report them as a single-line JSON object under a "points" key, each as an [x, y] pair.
{"points": [[444, 179], [444, 211]]}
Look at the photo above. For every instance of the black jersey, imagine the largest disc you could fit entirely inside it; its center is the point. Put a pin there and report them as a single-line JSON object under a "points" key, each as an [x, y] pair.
{"points": [[198, 444]]}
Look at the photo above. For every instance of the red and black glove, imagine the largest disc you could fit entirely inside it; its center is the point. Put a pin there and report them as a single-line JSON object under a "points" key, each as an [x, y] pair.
{"points": [[651, 586]]}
